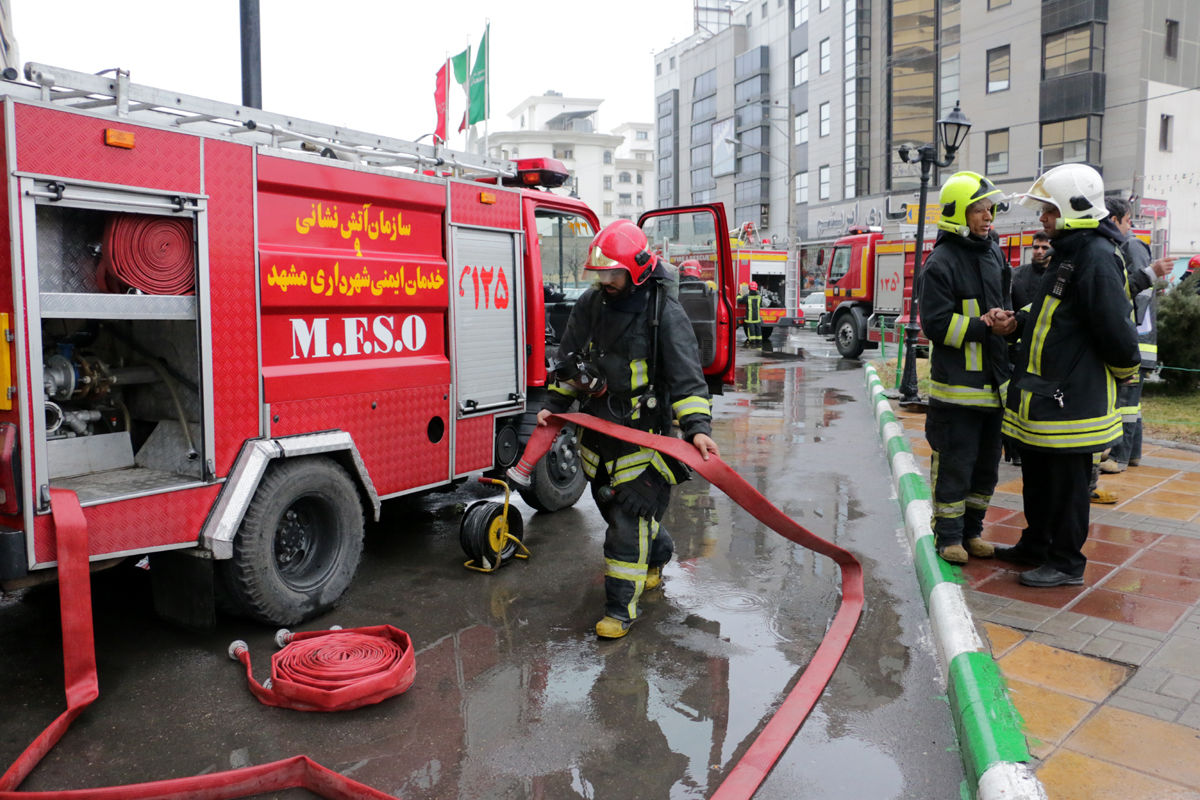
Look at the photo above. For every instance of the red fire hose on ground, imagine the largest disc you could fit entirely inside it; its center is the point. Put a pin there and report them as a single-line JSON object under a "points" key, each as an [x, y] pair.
{"points": [[301, 772], [152, 254], [79, 657]]}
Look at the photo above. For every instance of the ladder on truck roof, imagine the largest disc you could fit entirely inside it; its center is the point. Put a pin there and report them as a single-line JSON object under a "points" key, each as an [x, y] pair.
{"points": [[84, 91]]}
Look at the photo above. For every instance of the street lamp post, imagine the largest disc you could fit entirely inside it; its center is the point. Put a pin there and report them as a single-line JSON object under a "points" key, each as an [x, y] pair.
{"points": [[953, 129]]}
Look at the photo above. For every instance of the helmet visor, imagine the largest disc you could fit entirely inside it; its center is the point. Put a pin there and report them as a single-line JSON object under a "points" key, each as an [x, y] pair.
{"points": [[597, 260]]}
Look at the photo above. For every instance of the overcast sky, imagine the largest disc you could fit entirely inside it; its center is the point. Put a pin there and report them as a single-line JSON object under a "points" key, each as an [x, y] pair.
{"points": [[367, 64]]}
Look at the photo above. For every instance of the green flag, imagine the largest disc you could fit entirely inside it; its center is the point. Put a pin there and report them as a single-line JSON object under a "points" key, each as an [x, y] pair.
{"points": [[477, 110], [462, 63]]}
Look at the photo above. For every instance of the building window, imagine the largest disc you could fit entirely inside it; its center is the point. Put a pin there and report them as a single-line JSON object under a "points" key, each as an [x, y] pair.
{"points": [[998, 69], [625, 198], [1071, 140], [992, 4], [824, 6], [997, 152], [608, 156], [608, 208], [749, 19], [1069, 52], [824, 119], [608, 181], [800, 13], [823, 183], [564, 153], [624, 177], [704, 84], [639, 178], [658, 68], [642, 136], [1165, 132], [826, 56], [800, 69], [801, 130], [1171, 45], [672, 62], [801, 188], [641, 200], [763, 11]]}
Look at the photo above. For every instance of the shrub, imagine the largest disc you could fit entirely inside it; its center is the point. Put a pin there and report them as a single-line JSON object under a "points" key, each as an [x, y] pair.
{"points": [[1179, 335]]}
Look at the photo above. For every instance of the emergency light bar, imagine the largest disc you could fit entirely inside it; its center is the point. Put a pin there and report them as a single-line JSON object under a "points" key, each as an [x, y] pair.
{"points": [[545, 172]]}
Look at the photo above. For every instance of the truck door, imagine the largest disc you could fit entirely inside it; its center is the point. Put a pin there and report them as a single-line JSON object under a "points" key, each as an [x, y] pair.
{"points": [[700, 233]]}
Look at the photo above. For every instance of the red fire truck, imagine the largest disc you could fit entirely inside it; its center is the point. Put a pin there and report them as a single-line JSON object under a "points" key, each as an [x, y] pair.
{"points": [[233, 334], [868, 285]]}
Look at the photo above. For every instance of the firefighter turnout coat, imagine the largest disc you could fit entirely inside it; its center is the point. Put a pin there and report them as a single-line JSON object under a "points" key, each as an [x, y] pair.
{"points": [[1078, 341], [964, 278], [616, 338]]}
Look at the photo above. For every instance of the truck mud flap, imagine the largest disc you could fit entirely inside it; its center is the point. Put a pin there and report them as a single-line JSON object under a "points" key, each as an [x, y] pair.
{"points": [[749, 772]]}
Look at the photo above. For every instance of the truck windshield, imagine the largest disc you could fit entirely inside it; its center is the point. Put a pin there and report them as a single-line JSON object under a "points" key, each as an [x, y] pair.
{"points": [[563, 240], [839, 265]]}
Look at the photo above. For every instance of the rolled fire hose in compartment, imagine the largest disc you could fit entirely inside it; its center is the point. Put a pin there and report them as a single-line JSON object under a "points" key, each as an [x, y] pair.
{"points": [[148, 253]]}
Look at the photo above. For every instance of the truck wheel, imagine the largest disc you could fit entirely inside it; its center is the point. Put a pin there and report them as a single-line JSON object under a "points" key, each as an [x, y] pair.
{"points": [[299, 544], [847, 333], [558, 479]]}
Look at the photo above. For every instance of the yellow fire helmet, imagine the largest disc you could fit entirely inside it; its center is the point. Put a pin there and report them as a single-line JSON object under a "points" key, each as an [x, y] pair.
{"points": [[958, 192]]}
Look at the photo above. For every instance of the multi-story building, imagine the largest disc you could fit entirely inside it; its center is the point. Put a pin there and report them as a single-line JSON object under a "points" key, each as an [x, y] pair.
{"points": [[1107, 82], [612, 172]]}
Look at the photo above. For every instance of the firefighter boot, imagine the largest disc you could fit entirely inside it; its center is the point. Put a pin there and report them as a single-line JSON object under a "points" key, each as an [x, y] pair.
{"points": [[979, 548], [953, 554], [613, 628], [653, 577]]}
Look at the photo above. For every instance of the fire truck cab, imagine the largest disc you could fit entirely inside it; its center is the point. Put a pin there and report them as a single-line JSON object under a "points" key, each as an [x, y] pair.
{"points": [[232, 334]]}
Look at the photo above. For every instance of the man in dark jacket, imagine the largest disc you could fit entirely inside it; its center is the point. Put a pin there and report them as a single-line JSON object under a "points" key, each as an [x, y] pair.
{"points": [[1142, 275], [1078, 341], [629, 356], [1027, 277], [966, 312], [1025, 280]]}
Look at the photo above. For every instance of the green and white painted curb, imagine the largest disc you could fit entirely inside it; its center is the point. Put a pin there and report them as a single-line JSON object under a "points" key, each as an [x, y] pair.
{"points": [[988, 726]]}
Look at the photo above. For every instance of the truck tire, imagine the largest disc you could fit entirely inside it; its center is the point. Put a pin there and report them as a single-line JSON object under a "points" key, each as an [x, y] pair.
{"points": [[848, 334], [299, 544], [558, 480]]}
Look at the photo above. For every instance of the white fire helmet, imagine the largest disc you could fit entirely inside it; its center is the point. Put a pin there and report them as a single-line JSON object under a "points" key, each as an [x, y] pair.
{"points": [[1076, 190]]}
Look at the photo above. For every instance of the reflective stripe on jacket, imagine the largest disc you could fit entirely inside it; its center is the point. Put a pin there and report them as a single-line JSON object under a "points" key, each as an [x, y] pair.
{"points": [[1063, 393], [963, 279]]}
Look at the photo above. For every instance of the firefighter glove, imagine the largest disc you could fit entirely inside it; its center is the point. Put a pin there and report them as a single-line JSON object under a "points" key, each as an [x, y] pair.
{"points": [[645, 496]]}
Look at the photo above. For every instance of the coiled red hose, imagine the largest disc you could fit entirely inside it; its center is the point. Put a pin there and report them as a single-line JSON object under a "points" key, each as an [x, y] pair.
{"points": [[334, 670], [152, 254]]}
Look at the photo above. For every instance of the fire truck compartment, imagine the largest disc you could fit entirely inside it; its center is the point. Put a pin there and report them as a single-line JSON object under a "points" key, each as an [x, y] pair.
{"points": [[119, 373]]}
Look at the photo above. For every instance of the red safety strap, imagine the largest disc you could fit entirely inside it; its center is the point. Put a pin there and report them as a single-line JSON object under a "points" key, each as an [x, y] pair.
{"points": [[152, 254], [749, 773], [79, 655]]}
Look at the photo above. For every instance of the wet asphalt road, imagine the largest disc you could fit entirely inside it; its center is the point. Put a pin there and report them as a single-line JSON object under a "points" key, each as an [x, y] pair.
{"points": [[514, 695]]}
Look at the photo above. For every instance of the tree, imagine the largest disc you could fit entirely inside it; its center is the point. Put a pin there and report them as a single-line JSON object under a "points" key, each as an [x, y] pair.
{"points": [[1179, 335]]}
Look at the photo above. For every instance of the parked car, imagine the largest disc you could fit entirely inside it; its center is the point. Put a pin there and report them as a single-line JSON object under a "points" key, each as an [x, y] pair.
{"points": [[813, 307]]}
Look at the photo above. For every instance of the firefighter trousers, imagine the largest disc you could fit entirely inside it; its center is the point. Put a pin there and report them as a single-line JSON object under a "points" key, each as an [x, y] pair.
{"points": [[965, 467], [632, 545], [1057, 508], [1129, 402]]}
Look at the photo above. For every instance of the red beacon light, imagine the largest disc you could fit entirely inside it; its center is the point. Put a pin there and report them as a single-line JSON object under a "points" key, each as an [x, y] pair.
{"points": [[547, 173]]}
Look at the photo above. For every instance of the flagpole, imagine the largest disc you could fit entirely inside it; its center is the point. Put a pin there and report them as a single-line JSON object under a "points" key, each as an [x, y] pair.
{"points": [[487, 76]]}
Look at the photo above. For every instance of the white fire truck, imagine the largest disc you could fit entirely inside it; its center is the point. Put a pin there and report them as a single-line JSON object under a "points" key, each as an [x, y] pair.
{"points": [[233, 334]]}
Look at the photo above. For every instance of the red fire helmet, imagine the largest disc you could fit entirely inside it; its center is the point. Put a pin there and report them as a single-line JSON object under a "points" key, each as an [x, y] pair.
{"points": [[691, 267], [622, 245], [754, 286]]}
